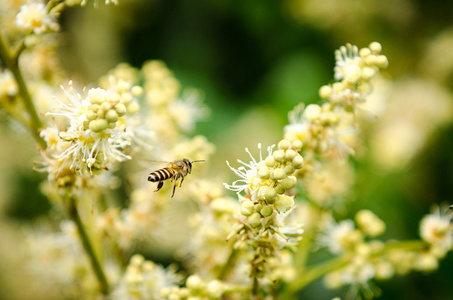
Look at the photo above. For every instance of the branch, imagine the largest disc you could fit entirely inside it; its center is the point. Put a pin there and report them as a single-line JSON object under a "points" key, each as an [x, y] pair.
{"points": [[88, 246], [11, 61]]}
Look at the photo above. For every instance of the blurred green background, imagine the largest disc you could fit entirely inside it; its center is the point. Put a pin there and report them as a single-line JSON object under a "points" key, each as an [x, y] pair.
{"points": [[254, 61]]}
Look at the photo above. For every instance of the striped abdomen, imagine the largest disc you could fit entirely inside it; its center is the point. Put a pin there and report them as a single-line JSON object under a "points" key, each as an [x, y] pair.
{"points": [[161, 174]]}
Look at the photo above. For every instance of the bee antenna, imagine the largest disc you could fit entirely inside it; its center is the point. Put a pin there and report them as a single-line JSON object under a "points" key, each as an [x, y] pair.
{"points": [[197, 160]]}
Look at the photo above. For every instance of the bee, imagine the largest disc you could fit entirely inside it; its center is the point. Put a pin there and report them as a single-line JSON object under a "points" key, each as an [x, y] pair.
{"points": [[175, 171]]}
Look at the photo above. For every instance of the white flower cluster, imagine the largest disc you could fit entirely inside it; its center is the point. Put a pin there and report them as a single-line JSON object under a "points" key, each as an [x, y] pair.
{"points": [[322, 127], [373, 259], [354, 71], [196, 288], [96, 135], [59, 259], [266, 204], [172, 112], [143, 279], [344, 238], [265, 183]]}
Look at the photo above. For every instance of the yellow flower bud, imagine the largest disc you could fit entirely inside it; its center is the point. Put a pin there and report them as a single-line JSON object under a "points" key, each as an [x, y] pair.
{"points": [[312, 112], [105, 106], [111, 116], [279, 189], [382, 61], [375, 47], [267, 211], [97, 96], [98, 125], [284, 144], [127, 98], [258, 207], [264, 173], [364, 52], [280, 206], [297, 144], [289, 169], [114, 99], [325, 91], [298, 162], [194, 282], [132, 108], [267, 192], [91, 115], [290, 154], [270, 161], [254, 220], [120, 109], [136, 91], [278, 155], [289, 182], [278, 173], [338, 87], [247, 208]]}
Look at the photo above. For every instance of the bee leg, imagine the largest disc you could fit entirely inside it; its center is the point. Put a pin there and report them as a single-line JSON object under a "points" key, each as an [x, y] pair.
{"points": [[174, 187], [175, 183], [182, 179], [159, 185]]}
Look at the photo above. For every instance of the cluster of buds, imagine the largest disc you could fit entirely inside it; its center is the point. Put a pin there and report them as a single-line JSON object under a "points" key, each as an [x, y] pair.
{"points": [[317, 126], [354, 71], [266, 204], [172, 109], [96, 135], [267, 182], [373, 259], [320, 127], [344, 239], [143, 279], [160, 85], [196, 288], [105, 109]]}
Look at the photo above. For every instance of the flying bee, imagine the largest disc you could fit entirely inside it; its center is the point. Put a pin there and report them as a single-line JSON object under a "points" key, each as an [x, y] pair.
{"points": [[175, 171]]}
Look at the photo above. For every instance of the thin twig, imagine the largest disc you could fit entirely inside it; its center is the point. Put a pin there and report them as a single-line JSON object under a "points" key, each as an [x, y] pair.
{"points": [[11, 61], [88, 246]]}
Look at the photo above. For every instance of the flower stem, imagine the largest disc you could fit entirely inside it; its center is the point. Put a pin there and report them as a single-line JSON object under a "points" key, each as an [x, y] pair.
{"points": [[229, 265], [88, 246], [314, 272], [304, 247], [11, 61]]}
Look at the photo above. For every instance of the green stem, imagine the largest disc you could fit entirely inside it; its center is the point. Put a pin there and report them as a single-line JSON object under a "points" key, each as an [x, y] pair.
{"points": [[314, 272], [229, 265], [88, 246], [11, 61], [304, 246], [414, 245]]}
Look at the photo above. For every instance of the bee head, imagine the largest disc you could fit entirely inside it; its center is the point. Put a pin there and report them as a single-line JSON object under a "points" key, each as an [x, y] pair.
{"points": [[189, 164]]}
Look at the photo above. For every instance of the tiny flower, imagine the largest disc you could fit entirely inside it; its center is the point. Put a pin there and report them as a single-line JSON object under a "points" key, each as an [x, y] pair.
{"points": [[248, 173], [340, 237], [33, 16], [144, 279], [188, 110], [8, 86], [437, 230], [370, 223], [347, 61]]}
